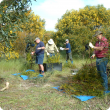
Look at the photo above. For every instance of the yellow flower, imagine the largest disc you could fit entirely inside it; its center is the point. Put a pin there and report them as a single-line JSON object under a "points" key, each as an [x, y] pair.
{"points": [[0, 15], [10, 32]]}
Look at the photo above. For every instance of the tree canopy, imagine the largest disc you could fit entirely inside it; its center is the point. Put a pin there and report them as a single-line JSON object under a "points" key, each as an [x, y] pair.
{"points": [[12, 12], [80, 26]]}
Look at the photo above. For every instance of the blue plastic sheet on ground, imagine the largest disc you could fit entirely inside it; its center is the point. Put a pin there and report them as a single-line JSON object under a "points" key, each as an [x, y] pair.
{"points": [[39, 76], [25, 77], [58, 88], [84, 97], [81, 97], [16, 74], [30, 70]]}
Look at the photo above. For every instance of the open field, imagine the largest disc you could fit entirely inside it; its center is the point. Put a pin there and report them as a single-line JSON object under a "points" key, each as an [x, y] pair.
{"points": [[39, 94]]}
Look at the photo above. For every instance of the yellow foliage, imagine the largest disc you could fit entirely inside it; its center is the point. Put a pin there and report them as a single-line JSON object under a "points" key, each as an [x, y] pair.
{"points": [[34, 25], [9, 52], [80, 26]]}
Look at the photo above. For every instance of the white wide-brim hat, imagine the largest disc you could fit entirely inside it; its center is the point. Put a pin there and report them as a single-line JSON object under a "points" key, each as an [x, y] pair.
{"points": [[51, 41]]}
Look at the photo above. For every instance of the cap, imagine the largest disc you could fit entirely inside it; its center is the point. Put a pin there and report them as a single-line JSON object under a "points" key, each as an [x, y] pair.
{"points": [[36, 38], [67, 40], [97, 33]]}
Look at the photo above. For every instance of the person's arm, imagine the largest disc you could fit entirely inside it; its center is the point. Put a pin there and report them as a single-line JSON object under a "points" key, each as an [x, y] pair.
{"points": [[95, 47], [39, 48], [66, 48], [98, 48], [42, 46]]}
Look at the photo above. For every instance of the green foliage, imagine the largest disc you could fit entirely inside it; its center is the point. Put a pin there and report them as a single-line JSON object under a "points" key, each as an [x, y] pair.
{"points": [[70, 65], [86, 82], [12, 12], [31, 74], [30, 61], [54, 59], [47, 36]]}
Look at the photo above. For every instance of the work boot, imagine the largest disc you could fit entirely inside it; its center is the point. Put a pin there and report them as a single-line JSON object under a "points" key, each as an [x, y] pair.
{"points": [[72, 62]]}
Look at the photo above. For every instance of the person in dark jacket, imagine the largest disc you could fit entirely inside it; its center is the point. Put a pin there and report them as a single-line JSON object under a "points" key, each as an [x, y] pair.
{"points": [[68, 51], [39, 54]]}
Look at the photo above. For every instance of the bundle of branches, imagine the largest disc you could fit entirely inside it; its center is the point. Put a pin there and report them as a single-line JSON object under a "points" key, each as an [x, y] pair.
{"points": [[31, 74], [54, 59], [86, 82]]}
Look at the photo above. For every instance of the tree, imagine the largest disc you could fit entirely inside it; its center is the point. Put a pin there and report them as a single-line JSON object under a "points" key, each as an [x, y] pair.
{"points": [[80, 26], [11, 13]]}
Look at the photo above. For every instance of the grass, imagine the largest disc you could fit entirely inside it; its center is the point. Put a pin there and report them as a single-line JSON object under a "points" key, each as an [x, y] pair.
{"points": [[39, 94]]}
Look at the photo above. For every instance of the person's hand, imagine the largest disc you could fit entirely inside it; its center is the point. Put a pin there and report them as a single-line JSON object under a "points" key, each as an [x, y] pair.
{"points": [[48, 54], [32, 53], [91, 45], [93, 56]]}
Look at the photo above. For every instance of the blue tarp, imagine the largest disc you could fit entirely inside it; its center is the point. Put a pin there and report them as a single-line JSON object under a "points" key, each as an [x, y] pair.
{"points": [[81, 97], [25, 77], [30, 70]]}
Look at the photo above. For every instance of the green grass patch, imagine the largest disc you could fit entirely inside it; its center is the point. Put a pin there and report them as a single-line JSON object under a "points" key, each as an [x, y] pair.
{"points": [[38, 94]]}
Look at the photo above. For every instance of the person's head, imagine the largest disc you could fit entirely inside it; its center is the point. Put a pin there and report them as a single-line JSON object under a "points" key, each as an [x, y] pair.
{"points": [[98, 35], [50, 42], [67, 41], [37, 40]]}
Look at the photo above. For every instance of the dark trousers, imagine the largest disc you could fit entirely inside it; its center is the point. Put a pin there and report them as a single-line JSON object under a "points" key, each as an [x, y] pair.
{"points": [[69, 56]]}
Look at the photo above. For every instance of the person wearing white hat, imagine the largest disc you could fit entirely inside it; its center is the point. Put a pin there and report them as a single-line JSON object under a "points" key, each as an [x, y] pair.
{"points": [[51, 48]]}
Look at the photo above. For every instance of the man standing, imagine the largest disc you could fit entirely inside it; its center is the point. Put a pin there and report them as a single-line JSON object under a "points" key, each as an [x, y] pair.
{"points": [[68, 51], [51, 48], [100, 51], [39, 54]]}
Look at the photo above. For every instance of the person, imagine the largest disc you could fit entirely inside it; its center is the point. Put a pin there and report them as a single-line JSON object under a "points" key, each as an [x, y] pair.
{"points": [[39, 54], [51, 48], [68, 51], [28, 46], [100, 51]]}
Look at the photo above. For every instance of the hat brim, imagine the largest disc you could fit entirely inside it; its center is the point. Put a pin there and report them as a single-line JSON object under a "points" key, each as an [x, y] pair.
{"points": [[96, 34], [50, 42]]}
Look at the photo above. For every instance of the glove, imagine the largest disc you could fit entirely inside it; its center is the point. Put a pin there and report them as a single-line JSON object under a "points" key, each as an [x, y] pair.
{"points": [[61, 48], [91, 45], [93, 56], [48, 54]]}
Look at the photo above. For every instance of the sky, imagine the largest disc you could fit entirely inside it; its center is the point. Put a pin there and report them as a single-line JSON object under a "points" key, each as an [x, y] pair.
{"points": [[52, 10]]}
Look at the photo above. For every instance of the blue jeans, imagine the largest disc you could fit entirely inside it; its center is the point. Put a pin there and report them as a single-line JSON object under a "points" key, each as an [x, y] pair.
{"points": [[101, 64]]}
